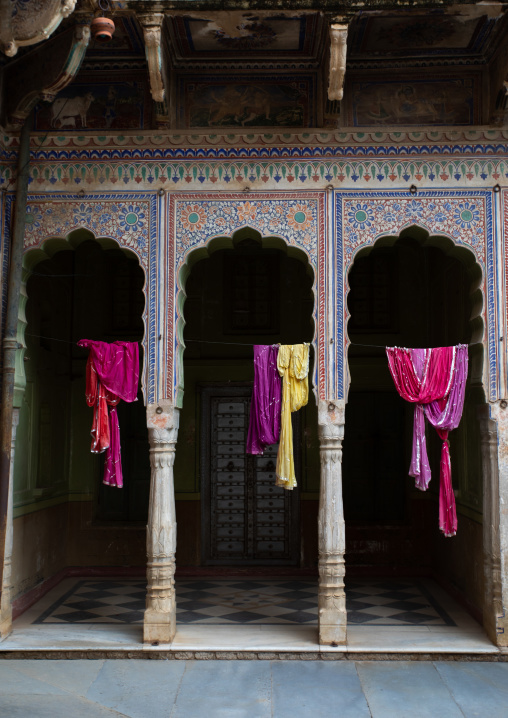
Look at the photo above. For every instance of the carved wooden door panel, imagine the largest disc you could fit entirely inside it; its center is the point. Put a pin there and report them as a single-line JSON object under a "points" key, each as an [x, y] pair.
{"points": [[246, 519]]}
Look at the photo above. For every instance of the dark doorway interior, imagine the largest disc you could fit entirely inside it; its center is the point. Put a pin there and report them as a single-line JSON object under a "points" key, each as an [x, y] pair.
{"points": [[227, 501], [414, 295]]}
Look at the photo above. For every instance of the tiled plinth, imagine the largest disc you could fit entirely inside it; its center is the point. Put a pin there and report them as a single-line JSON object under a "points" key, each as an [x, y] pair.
{"points": [[248, 618]]}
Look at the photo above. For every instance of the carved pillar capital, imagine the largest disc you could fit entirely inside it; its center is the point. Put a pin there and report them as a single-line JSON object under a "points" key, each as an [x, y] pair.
{"points": [[152, 25], [338, 49], [160, 614], [331, 530]]}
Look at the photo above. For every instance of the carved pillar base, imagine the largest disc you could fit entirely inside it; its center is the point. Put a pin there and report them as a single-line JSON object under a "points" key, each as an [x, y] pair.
{"points": [[160, 614], [6, 600], [332, 597]]}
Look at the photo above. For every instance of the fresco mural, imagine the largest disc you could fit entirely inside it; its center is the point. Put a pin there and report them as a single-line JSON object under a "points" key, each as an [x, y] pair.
{"points": [[395, 35], [444, 101], [247, 101], [123, 104], [199, 38]]}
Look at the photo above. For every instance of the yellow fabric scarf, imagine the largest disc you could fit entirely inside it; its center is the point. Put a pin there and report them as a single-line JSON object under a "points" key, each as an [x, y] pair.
{"points": [[293, 366]]}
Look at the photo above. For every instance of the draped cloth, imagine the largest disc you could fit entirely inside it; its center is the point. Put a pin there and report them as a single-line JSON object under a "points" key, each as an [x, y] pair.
{"points": [[112, 374], [434, 380], [293, 366], [264, 421]]}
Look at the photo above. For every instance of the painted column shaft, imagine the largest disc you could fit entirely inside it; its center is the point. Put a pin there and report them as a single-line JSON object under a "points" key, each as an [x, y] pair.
{"points": [[494, 448], [331, 527], [160, 613]]}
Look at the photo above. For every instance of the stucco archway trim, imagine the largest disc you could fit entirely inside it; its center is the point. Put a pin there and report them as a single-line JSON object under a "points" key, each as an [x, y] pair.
{"points": [[124, 220], [196, 219], [463, 217]]}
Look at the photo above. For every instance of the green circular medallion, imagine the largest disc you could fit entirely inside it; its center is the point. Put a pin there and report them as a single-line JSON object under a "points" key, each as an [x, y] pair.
{"points": [[193, 217], [466, 215], [361, 216], [300, 217], [131, 218], [29, 218]]}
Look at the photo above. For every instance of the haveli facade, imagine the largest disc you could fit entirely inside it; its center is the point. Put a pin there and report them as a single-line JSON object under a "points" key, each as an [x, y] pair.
{"points": [[388, 233]]}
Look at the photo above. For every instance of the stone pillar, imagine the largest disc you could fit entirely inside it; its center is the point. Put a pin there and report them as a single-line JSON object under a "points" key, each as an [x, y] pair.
{"points": [[6, 599], [331, 528], [160, 614], [494, 448]]}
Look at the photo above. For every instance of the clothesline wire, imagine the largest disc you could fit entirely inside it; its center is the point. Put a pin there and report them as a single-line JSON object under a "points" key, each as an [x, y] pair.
{"points": [[205, 341]]}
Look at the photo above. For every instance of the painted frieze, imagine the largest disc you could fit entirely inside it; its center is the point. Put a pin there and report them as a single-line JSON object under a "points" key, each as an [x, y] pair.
{"points": [[465, 217], [195, 219], [129, 219]]}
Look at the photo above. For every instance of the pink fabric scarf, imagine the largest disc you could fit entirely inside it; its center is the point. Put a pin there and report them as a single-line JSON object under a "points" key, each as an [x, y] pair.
{"points": [[435, 380], [112, 375]]}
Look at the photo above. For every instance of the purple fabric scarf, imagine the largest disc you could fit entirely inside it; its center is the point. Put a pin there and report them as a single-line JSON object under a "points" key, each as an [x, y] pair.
{"points": [[264, 422], [445, 415]]}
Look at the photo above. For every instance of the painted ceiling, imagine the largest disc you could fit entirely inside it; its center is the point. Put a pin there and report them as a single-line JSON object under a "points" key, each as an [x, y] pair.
{"points": [[407, 67], [246, 37]]}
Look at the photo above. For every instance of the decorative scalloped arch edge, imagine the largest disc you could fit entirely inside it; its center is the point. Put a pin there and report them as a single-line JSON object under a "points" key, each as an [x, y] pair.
{"points": [[446, 244], [46, 249], [204, 250]]}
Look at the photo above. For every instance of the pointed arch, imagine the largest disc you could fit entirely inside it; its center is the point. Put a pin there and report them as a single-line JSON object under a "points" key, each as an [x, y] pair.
{"points": [[125, 220], [464, 255], [460, 221], [202, 223], [45, 249], [202, 252]]}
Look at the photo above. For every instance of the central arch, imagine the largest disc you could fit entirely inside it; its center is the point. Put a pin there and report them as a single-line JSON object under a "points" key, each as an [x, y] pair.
{"points": [[200, 223], [245, 291]]}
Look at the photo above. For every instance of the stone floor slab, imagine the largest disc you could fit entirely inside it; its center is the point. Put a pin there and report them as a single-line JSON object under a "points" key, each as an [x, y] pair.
{"points": [[14, 681], [324, 689], [220, 689], [138, 688], [37, 706], [480, 689], [74, 677], [399, 689]]}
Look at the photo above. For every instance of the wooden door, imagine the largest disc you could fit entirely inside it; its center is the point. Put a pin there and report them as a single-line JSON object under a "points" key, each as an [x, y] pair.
{"points": [[246, 519]]}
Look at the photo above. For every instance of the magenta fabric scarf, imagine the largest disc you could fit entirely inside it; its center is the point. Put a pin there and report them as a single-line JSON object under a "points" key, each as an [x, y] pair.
{"points": [[435, 380], [265, 407], [117, 369]]}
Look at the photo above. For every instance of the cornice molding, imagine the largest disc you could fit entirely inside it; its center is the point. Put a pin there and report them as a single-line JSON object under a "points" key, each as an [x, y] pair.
{"points": [[315, 138]]}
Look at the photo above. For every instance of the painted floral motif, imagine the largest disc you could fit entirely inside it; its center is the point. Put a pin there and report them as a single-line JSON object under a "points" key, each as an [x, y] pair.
{"points": [[466, 215], [299, 217], [295, 220], [83, 214], [414, 210], [126, 222], [33, 219], [193, 218], [462, 220], [247, 212], [360, 215]]}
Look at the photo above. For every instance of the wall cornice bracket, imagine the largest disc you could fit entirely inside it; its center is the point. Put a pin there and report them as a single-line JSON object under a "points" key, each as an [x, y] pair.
{"points": [[152, 25], [338, 48]]}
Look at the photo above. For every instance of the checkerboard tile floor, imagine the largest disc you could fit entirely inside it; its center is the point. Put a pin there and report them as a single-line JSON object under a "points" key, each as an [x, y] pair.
{"points": [[229, 601]]}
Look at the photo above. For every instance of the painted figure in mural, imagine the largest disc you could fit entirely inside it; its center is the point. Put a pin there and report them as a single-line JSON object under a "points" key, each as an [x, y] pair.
{"points": [[413, 103], [109, 112], [64, 110]]}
